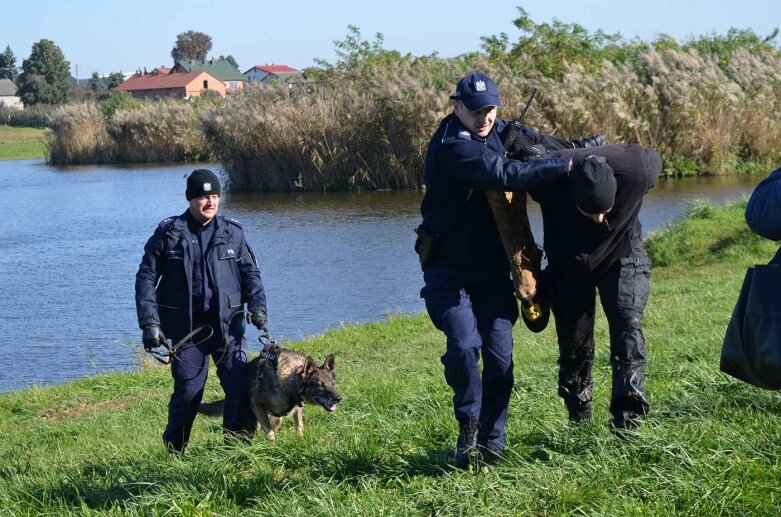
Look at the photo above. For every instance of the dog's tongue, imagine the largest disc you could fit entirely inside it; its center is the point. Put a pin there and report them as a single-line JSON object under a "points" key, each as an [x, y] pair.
{"points": [[331, 408]]}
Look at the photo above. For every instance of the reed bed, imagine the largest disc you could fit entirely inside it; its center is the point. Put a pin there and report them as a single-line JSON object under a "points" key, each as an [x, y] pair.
{"points": [[367, 127]]}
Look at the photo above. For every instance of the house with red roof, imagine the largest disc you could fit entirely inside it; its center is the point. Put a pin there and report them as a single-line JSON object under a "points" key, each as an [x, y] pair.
{"points": [[174, 85], [272, 73]]}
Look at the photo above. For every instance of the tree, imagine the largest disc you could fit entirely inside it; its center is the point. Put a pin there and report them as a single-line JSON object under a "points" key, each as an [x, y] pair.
{"points": [[103, 85], [230, 59], [548, 46], [8, 64], [45, 74], [191, 45], [97, 84]]}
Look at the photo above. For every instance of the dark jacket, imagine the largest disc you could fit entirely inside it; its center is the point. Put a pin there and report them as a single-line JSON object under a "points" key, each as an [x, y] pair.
{"points": [[763, 212], [459, 167], [164, 279], [575, 245]]}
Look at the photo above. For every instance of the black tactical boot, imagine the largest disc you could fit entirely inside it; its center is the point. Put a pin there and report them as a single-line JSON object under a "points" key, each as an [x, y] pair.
{"points": [[590, 141], [625, 426], [579, 411], [466, 446], [580, 414]]}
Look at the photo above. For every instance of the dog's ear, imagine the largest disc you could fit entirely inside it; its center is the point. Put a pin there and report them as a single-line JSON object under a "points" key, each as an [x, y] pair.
{"points": [[329, 362], [310, 367]]}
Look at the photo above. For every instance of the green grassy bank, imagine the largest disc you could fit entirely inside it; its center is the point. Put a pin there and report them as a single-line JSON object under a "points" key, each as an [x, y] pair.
{"points": [[21, 142], [711, 445]]}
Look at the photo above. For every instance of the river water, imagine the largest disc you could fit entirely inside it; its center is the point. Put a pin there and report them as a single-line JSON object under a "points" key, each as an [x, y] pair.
{"points": [[73, 238]]}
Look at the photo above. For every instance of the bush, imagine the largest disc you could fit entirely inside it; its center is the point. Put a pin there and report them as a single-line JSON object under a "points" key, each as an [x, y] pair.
{"points": [[120, 101], [34, 116]]}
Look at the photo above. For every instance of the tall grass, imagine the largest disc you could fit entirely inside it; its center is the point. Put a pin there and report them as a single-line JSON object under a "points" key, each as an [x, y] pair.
{"points": [[710, 445], [160, 132], [77, 134], [353, 133], [147, 132]]}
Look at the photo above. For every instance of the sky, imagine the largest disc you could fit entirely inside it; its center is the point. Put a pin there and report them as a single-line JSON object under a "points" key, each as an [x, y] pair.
{"points": [[110, 36]]}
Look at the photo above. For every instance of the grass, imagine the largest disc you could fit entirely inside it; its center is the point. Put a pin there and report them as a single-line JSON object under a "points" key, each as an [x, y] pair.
{"points": [[21, 143], [711, 445]]}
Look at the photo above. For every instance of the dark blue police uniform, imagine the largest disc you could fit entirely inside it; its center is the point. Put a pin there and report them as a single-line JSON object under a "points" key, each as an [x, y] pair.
{"points": [[468, 290], [191, 276]]}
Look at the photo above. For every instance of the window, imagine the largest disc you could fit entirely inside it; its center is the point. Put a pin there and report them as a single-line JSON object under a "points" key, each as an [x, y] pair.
{"points": [[205, 84]]}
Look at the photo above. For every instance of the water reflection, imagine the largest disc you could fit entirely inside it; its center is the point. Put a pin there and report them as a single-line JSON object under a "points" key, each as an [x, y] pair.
{"points": [[73, 239]]}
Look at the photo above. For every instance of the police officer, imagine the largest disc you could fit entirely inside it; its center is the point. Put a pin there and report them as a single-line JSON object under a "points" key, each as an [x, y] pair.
{"points": [[468, 291], [593, 242], [197, 272]]}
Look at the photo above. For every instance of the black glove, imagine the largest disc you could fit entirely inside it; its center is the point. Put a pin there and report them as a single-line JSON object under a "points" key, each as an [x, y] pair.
{"points": [[590, 141], [257, 318], [152, 336], [529, 152]]}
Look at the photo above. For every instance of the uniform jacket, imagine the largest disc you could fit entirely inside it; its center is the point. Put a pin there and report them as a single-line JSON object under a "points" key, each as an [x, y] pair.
{"points": [[763, 212], [577, 246], [459, 167], [164, 278]]}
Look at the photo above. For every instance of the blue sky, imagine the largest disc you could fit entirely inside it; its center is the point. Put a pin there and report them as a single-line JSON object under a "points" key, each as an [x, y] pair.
{"points": [[107, 36]]}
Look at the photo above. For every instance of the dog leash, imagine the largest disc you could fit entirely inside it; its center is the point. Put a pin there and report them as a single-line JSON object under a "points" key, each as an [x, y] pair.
{"points": [[166, 357], [269, 348]]}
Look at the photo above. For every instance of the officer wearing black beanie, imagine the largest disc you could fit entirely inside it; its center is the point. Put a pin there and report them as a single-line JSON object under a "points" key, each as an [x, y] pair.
{"points": [[195, 277], [202, 182]]}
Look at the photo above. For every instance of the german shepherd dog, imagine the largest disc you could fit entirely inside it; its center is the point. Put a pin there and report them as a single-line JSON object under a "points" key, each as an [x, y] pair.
{"points": [[276, 390]]}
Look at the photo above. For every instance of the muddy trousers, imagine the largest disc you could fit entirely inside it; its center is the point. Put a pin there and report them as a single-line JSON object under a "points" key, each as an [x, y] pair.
{"points": [[189, 370], [623, 292], [477, 319]]}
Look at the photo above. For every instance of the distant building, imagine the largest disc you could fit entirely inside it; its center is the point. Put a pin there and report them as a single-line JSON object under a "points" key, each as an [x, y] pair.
{"points": [[220, 68], [172, 85], [281, 74], [8, 96], [83, 83]]}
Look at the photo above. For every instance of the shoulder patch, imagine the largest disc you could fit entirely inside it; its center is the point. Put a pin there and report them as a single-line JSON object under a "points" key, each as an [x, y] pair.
{"points": [[234, 222], [165, 222], [466, 135]]}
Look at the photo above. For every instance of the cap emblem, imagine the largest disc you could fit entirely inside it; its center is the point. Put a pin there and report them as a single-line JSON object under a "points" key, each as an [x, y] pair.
{"points": [[207, 187], [480, 86]]}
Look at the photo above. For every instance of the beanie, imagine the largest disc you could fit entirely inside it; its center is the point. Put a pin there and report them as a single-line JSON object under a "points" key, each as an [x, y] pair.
{"points": [[593, 185], [202, 182]]}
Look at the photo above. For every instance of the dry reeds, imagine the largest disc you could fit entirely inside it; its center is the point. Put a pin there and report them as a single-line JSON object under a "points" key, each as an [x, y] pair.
{"points": [[368, 127], [77, 134]]}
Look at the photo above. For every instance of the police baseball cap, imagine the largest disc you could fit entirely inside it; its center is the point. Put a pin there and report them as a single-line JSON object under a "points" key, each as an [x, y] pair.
{"points": [[477, 91], [593, 185], [202, 182]]}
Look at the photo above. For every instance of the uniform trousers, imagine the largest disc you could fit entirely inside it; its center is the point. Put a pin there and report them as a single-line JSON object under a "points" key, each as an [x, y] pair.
{"points": [[477, 319], [189, 369]]}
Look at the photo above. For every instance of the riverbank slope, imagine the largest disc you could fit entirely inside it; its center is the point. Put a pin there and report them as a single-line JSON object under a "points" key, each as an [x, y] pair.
{"points": [[710, 445]]}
